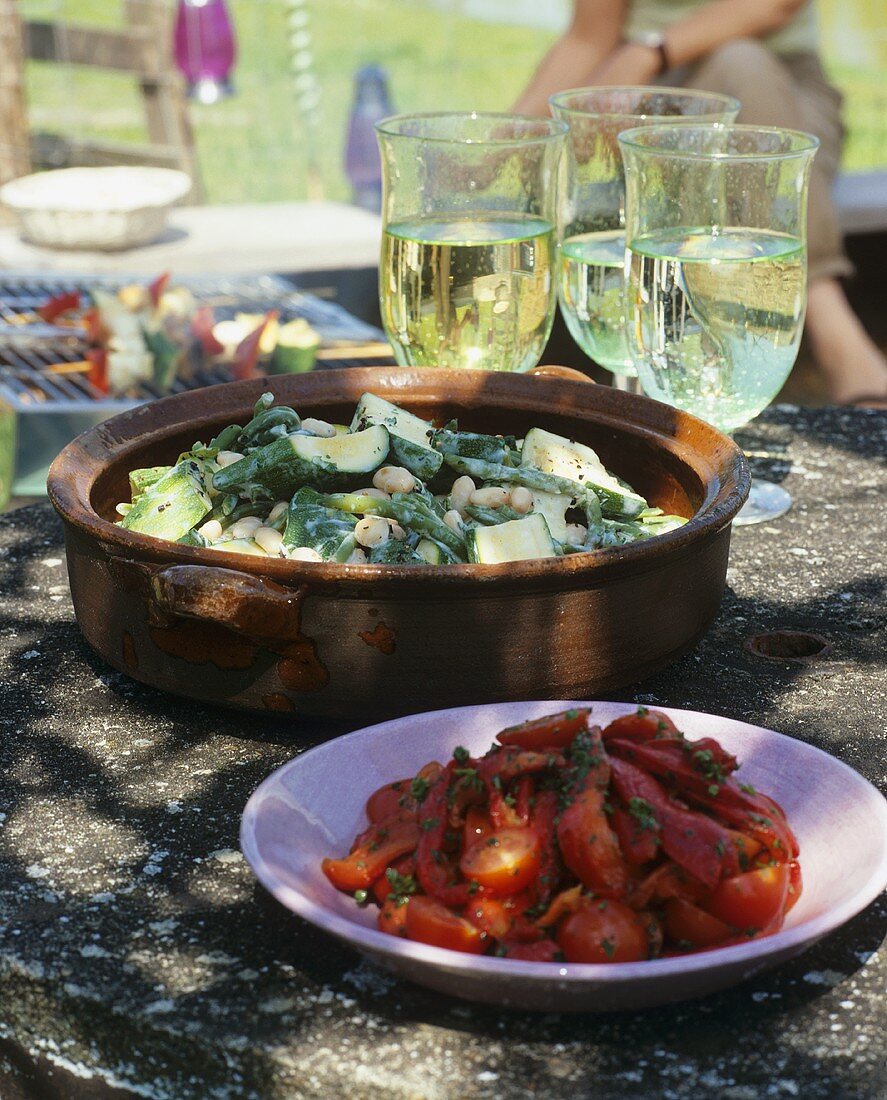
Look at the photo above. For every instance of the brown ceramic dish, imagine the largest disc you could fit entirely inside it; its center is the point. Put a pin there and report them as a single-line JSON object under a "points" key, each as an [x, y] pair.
{"points": [[336, 641]]}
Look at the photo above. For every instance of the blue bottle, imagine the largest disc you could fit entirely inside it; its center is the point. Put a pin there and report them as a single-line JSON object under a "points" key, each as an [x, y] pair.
{"points": [[363, 166]]}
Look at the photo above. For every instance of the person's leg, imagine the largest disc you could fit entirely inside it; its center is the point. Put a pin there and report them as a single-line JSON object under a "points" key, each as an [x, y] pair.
{"points": [[792, 93], [854, 366]]}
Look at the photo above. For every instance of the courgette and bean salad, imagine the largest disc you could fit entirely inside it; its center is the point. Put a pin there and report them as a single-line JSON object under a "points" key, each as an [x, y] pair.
{"points": [[570, 842], [389, 488]]}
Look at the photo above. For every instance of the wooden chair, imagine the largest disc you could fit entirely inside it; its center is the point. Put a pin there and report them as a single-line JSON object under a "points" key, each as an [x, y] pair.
{"points": [[142, 48]]}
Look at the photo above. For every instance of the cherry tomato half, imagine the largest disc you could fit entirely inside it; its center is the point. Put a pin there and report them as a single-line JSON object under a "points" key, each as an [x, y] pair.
{"points": [[753, 900], [686, 923], [505, 862], [429, 921], [604, 932]]}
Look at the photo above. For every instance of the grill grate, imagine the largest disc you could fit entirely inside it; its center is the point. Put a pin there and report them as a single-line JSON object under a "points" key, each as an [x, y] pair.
{"points": [[28, 351]]}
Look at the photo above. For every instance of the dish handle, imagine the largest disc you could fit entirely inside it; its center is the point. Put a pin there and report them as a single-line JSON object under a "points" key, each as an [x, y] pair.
{"points": [[553, 370], [248, 605]]}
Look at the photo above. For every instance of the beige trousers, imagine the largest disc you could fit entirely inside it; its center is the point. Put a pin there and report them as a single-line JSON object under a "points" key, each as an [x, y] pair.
{"points": [[789, 91]]}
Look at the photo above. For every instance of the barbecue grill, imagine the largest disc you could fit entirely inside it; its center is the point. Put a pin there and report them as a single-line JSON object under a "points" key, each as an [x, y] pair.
{"points": [[43, 406]]}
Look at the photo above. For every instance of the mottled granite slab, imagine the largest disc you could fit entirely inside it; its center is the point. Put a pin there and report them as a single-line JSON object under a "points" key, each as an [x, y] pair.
{"points": [[137, 953]]}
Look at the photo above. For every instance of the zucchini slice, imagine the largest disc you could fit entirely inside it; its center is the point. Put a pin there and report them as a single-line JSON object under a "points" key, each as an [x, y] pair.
{"points": [[275, 471], [174, 504], [517, 540], [555, 454], [410, 435]]}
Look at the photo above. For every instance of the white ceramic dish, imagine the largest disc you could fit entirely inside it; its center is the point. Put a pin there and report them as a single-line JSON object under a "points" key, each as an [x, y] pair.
{"points": [[313, 806], [106, 209]]}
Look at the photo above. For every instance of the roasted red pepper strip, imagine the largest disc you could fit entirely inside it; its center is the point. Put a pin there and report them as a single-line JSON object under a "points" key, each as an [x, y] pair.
{"points": [[543, 951], [364, 865], [524, 798], [667, 881], [723, 796], [542, 821], [434, 871], [98, 369], [61, 303], [588, 844], [638, 840], [156, 288], [643, 725], [692, 840], [498, 769], [202, 326], [566, 902], [369, 834], [554, 732], [246, 354], [405, 866]]}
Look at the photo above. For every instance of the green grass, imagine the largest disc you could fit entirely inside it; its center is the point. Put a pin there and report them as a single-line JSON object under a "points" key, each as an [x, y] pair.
{"points": [[259, 146]]}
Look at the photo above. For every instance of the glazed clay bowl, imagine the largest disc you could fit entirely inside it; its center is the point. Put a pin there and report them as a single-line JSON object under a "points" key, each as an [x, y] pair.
{"points": [[333, 641]]}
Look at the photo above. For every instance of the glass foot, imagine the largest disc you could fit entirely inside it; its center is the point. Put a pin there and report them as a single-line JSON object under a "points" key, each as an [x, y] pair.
{"points": [[765, 501]]}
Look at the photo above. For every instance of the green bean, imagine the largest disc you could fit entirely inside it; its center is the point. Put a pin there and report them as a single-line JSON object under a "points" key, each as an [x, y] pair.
{"points": [[409, 514]]}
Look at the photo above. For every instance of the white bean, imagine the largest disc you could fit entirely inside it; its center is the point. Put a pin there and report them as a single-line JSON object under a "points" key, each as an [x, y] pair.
{"points": [[577, 533], [394, 479], [319, 427], [303, 553], [269, 539], [376, 494], [228, 458], [245, 528], [358, 557], [372, 531], [277, 511], [460, 494], [521, 499], [211, 530], [453, 520], [493, 496]]}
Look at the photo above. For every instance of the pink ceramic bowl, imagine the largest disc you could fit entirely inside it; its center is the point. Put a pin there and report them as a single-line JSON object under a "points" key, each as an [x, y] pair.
{"points": [[313, 806]]}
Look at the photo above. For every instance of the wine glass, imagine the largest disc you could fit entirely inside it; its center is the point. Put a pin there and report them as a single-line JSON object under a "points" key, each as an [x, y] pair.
{"points": [[716, 271], [469, 210], [592, 230]]}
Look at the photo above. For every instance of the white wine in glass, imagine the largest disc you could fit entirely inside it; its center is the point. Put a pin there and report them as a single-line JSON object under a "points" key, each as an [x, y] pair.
{"points": [[466, 277], [717, 317], [468, 292]]}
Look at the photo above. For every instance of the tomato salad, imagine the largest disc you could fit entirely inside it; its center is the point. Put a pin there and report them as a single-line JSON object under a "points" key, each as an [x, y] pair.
{"points": [[570, 842]]}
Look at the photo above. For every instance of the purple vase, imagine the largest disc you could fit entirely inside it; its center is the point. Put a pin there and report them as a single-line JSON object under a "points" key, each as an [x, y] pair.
{"points": [[203, 47]]}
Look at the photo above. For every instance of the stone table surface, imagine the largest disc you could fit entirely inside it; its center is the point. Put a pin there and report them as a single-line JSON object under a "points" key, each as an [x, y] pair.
{"points": [[245, 239], [139, 957]]}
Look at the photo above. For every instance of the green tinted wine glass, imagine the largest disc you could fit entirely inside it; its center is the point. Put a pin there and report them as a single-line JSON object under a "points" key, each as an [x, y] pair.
{"points": [[592, 227], [716, 270]]}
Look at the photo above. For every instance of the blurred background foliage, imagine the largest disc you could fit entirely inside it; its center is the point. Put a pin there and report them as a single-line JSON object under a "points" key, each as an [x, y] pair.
{"points": [[274, 141]]}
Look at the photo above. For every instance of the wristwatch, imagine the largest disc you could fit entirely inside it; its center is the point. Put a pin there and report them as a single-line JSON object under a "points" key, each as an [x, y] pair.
{"points": [[654, 40]]}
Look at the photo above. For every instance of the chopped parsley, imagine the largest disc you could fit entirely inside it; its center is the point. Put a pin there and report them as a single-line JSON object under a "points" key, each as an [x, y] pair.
{"points": [[641, 810], [460, 755], [419, 788], [609, 948], [704, 761]]}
